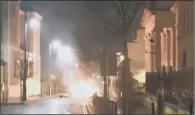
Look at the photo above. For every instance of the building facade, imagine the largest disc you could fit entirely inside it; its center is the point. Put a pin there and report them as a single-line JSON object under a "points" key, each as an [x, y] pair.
{"points": [[12, 34], [184, 18], [169, 37]]}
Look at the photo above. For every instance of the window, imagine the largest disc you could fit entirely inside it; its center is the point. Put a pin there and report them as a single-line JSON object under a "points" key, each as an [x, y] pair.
{"points": [[184, 59], [30, 68], [16, 68]]}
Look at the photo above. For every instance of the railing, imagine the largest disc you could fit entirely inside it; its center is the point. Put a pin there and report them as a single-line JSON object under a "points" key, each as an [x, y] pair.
{"points": [[152, 106]]}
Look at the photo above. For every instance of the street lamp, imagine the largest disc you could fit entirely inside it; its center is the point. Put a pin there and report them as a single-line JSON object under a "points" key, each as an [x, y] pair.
{"points": [[50, 81], [76, 65], [65, 54], [55, 44], [33, 23]]}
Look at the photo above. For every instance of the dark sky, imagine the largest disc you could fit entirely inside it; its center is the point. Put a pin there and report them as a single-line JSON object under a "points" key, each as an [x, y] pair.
{"points": [[72, 23], [60, 19]]}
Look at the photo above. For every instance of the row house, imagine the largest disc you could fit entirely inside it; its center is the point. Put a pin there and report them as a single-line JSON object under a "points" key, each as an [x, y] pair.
{"points": [[169, 39]]}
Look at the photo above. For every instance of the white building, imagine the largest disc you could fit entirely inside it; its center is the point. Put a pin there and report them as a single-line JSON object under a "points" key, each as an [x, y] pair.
{"points": [[12, 34]]}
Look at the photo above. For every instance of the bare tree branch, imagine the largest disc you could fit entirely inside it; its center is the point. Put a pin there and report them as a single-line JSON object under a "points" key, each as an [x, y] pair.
{"points": [[126, 28], [118, 10], [126, 8], [108, 22], [112, 32], [122, 7]]}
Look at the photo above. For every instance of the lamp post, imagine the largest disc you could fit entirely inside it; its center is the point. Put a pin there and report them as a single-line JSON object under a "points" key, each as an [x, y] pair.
{"points": [[54, 44], [50, 83], [25, 59], [49, 69], [33, 23], [161, 91]]}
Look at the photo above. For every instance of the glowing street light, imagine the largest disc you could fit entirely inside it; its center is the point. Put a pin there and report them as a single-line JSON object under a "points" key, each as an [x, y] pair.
{"points": [[34, 23], [55, 44], [118, 53], [98, 76], [121, 57], [76, 65], [65, 54], [52, 77]]}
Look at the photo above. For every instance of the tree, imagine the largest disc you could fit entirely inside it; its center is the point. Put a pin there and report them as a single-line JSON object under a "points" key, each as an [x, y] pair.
{"points": [[113, 19], [117, 18]]}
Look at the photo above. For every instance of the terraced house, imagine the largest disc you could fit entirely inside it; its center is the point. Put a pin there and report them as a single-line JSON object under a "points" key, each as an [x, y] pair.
{"points": [[169, 34]]}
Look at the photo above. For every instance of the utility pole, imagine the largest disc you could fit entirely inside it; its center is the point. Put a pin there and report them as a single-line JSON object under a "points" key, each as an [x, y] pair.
{"points": [[24, 98], [50, 92], [104, 59], [161, 92]]}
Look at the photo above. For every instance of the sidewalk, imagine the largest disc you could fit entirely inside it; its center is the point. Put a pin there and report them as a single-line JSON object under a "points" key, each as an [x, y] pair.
{"points": [[143, 110], [13, 101], [46, 105]]}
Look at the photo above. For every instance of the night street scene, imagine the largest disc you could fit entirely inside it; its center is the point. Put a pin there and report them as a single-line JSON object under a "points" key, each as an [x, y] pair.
{"points": [[97, 57]]}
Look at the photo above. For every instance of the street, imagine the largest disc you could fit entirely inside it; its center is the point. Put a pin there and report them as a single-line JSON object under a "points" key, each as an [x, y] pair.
{"points": [[44, 106]]}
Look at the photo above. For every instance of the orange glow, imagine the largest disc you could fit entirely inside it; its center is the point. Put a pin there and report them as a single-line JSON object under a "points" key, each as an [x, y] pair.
{"points": [[140, 77], [83, 89]]}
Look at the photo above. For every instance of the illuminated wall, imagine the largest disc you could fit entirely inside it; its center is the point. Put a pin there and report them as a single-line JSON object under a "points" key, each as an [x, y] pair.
{"points": [[10, 46], [136, 52], [11, 51], [168, 31]]}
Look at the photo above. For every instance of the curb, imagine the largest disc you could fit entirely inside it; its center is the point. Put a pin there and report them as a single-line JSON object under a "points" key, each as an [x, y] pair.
{"points": [[20, 103], [30, 100]]}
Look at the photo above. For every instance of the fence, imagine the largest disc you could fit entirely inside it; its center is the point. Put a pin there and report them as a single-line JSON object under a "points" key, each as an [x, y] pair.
{"points": [[103, 106]]}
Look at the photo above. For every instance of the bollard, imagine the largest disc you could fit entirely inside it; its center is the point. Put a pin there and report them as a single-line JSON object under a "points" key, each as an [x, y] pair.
{"points": [[191, 108], [110, 107], [153, 108], [128, 109], [107, 108], [115, 108]]}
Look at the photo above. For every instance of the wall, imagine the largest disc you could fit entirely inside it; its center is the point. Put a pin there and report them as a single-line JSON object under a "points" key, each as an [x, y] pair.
{"points": [[33, 87], [12, 38], [187, 44], [186, 31], [136, 53]]}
